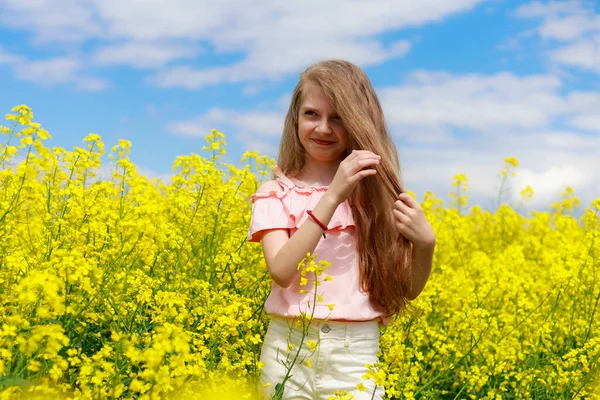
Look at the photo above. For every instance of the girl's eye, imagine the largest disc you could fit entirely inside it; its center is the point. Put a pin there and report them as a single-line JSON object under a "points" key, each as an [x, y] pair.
{"points": [[309, 112]]}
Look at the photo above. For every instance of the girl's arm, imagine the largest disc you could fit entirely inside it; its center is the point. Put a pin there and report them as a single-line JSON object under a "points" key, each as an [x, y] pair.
{"points": [[422, 256], [283, 253], [413, 225]]}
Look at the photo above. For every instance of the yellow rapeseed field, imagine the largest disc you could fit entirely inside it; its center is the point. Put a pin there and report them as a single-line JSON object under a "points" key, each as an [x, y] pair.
{"points": [[131, 288]]}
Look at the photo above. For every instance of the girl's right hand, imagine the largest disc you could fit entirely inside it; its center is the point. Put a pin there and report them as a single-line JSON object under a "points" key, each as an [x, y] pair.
{"points": [[351, 171]]}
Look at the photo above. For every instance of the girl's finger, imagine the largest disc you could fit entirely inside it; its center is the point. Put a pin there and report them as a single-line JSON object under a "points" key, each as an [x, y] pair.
{"points": [[360, 153], [364, 162], [407, 199], [351, 156], [400, 226], [362, 174], [400, 217], [403, 207]]}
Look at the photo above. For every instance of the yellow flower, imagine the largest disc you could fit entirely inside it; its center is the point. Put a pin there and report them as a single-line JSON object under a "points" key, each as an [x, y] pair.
{"points": [[460, 180], [312, 345], [136, 386], [512, 161], [527, 193], [34, 366]]}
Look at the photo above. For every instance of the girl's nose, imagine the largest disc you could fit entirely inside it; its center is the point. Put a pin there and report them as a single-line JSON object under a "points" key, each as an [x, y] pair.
{"points": [[323, 126]]}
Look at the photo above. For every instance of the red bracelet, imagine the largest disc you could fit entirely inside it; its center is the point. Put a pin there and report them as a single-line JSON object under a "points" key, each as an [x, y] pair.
{"points": [[322, 225]]}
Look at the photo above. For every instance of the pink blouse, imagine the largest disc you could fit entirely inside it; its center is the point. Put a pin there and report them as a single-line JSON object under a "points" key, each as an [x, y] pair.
{"points": [[286, 209]]}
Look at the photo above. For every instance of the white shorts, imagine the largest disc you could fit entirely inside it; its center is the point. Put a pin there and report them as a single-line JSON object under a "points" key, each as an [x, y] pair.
{"points": [[338, 361]]}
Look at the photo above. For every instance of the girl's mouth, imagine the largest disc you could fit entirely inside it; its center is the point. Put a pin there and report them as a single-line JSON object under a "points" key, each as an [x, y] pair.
{"points": [[322, 142]]}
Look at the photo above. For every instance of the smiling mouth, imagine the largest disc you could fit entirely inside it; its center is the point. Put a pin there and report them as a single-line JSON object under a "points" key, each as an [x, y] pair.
{"points": [[322, 142]]}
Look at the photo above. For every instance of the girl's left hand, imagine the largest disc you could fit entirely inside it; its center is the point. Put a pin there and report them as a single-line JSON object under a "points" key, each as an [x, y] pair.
{"points": [[411, 221]]}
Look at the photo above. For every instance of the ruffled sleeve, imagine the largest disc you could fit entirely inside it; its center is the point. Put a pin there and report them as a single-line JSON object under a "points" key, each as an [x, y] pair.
{"points": [[268, 212], [286, 208]]}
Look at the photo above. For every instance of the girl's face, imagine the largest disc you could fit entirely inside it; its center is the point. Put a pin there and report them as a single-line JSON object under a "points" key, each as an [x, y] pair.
{"points": [[320, 129]]}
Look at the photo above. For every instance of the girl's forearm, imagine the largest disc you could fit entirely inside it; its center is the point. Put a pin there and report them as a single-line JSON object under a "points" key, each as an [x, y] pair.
{"points": [[422, 256], [305, 240]]}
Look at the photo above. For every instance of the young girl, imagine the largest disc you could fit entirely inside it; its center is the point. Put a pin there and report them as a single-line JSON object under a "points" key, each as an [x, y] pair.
{"points": [[337, 195]]}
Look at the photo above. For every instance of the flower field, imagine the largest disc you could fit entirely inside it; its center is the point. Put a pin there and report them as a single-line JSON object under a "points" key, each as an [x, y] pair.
{"points": [[129, 288]]}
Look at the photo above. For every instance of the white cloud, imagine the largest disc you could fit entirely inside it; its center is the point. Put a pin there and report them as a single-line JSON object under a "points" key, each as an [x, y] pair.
{"points": [[265, 124], [52, 71], [589, 122], [420, 132], [571, 140], [502, 102], [550, 9], [9, 59], [440, 109], [277, 58], [548, 169], [583, 103], [571, 28], [229, 23], [273, 40], [189, 77], [263, 147], [446, 124], [143, 54], [57, 71], [564, 20], [53, 20], [198, 126], [257, 129], [550, 183], [584, 53]]}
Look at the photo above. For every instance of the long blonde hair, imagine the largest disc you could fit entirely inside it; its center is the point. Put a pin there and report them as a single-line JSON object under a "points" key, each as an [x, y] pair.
{"points": [[384, 255]]}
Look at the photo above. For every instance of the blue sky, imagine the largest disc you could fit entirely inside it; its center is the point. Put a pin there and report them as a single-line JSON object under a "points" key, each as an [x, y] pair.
{"points": [[463, 83]]}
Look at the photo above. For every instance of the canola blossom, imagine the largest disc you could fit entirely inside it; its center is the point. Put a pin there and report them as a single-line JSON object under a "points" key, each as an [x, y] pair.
{"points": [[129, 288]]}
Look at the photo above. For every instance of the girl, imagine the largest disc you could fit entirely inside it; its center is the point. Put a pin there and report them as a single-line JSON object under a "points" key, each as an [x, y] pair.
{"points": [[336, 194]]}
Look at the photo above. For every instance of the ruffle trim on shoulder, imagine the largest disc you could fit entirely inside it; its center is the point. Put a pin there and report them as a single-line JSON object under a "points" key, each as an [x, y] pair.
{"points": [[293, 204], [286, 208], [268, 213], [279, 194], [287, 186], [286, 189]]}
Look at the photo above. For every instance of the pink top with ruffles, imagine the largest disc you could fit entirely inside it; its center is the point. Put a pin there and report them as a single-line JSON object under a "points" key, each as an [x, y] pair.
{"points": [[286, 209]]}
